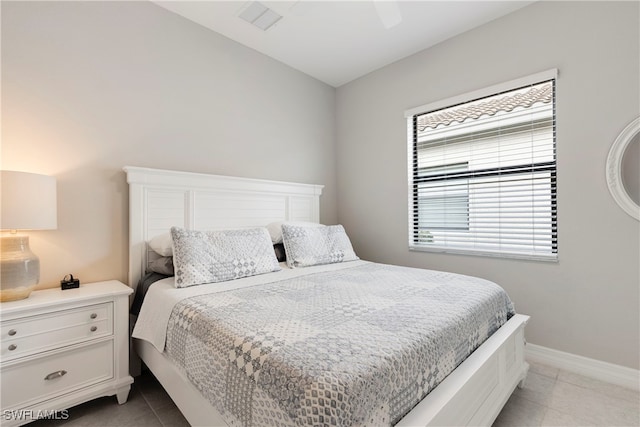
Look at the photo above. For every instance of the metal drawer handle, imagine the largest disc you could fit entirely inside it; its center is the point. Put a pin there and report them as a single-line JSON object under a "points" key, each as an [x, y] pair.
{"points": [[94, 328], [12, 347], [12, 332], [93, 315], [54, 375]]}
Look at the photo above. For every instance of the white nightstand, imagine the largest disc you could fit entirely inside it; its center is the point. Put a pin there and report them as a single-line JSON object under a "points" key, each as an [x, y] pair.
{"points": [[62, 348]]}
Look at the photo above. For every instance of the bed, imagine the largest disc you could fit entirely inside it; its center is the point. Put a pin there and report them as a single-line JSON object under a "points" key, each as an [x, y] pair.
{"points": [[471, 394]]}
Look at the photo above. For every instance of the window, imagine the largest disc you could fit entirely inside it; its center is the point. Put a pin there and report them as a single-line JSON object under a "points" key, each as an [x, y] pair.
{"points": [[443, 207], [482, 172]]}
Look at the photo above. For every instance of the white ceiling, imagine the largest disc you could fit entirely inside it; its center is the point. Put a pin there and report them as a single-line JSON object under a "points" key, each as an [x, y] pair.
{"points": [[339, 41]]}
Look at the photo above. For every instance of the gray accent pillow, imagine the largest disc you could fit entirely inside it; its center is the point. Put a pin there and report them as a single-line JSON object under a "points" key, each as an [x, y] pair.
{"points": [[281, 255], [217, 256], [162, 265], [306, 246]]}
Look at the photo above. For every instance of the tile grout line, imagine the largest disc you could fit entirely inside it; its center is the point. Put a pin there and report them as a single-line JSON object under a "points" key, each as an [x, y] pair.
{"points": [[544, 415], [152, 408], [584, 387]]}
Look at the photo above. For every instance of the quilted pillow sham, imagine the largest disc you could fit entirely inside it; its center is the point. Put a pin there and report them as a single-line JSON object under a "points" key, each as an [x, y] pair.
{"points": [[307, 246], [216, 256], [275, 228]]}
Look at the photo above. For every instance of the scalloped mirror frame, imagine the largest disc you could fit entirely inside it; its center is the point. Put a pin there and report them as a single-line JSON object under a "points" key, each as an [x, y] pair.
{"points": [[614, 169]]}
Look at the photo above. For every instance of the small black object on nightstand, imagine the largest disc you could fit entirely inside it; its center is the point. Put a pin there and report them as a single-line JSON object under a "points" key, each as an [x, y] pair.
{"points": [[68, 282]]}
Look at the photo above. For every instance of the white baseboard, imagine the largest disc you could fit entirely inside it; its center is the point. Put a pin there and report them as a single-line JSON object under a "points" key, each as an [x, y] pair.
{"points": [[603, 371]]}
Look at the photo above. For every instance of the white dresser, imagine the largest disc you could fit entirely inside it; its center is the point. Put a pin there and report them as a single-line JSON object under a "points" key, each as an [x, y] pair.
{"points": [[62, 348]]}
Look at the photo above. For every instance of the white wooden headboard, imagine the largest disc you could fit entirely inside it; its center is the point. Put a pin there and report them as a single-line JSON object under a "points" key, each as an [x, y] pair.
{"points": [[160, 199]]}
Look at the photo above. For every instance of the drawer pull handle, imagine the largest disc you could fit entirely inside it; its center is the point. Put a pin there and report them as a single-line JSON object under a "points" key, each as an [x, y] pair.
{"points": [[94, 328], [93, 315], [12, 332], [54, 375], [12, 347]]}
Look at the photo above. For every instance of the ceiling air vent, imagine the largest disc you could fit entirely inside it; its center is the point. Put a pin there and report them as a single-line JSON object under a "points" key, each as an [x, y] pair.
{"points": [[259, 15]]}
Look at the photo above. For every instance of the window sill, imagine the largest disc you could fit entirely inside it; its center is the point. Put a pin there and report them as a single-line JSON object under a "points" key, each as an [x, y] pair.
{"points": [[484, 253]]}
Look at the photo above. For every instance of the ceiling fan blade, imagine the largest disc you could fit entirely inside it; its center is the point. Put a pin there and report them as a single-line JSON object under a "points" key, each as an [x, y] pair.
{"points": [[388, 12]]}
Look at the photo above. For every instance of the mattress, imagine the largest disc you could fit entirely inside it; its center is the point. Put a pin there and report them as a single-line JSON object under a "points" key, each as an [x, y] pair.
{"points": [[355, 343]]}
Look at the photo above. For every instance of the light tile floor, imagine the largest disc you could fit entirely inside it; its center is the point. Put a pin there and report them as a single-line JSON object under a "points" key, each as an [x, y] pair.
{"points": [[550, 397], [553, 397]]}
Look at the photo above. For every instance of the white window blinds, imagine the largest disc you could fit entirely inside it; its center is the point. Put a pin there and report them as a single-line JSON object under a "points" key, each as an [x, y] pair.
{"points": [[483, 175]]}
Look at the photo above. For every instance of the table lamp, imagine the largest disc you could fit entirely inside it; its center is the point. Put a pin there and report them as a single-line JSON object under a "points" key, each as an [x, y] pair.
{"points": [[28, 203]]}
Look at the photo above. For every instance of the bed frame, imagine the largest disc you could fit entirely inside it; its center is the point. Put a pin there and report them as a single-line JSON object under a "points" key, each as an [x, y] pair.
{"points": [[473, 394]]}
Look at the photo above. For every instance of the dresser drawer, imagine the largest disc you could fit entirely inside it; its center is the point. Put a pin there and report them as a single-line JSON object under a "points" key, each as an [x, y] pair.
{"points": [[31, 335], [40, 379]]}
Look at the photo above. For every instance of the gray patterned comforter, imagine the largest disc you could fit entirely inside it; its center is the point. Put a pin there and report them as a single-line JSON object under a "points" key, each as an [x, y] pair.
{"points": [[358, 346]]}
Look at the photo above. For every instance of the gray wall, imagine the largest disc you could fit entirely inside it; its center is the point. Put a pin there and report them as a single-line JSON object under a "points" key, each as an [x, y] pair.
{"points": [[89, 87], [588, 302]]}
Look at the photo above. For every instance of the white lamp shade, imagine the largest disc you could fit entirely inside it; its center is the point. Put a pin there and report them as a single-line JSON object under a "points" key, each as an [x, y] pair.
{"points": [[28, 201]]}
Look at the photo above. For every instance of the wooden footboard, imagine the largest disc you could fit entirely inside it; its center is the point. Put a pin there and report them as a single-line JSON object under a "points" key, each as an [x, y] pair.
{"points": [[477, 390]]}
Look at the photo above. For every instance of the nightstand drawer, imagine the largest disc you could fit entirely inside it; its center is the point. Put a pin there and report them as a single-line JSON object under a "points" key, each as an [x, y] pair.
{"points": [[35, 334], [40, 379]]}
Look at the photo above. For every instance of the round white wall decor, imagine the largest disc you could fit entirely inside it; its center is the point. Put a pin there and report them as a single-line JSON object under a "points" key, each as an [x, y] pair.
{"points": [[623, 164]]}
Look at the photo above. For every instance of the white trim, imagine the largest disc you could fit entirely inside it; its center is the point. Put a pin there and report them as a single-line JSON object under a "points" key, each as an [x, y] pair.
{"points": [[592, 368], [483, 253], [484, 92], [178, 179]]}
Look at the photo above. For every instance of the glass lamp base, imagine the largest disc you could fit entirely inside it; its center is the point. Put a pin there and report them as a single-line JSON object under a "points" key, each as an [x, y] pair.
{"points": [[19, 268]]}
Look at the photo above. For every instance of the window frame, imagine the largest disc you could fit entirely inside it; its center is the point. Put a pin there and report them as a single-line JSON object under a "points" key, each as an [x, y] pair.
{"points": [[412, 159]]}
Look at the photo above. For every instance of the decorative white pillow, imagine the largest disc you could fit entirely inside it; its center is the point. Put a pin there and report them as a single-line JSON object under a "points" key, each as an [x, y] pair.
{"points": [[217, 256], [275, 228], [306, 246], [162, 244]]}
